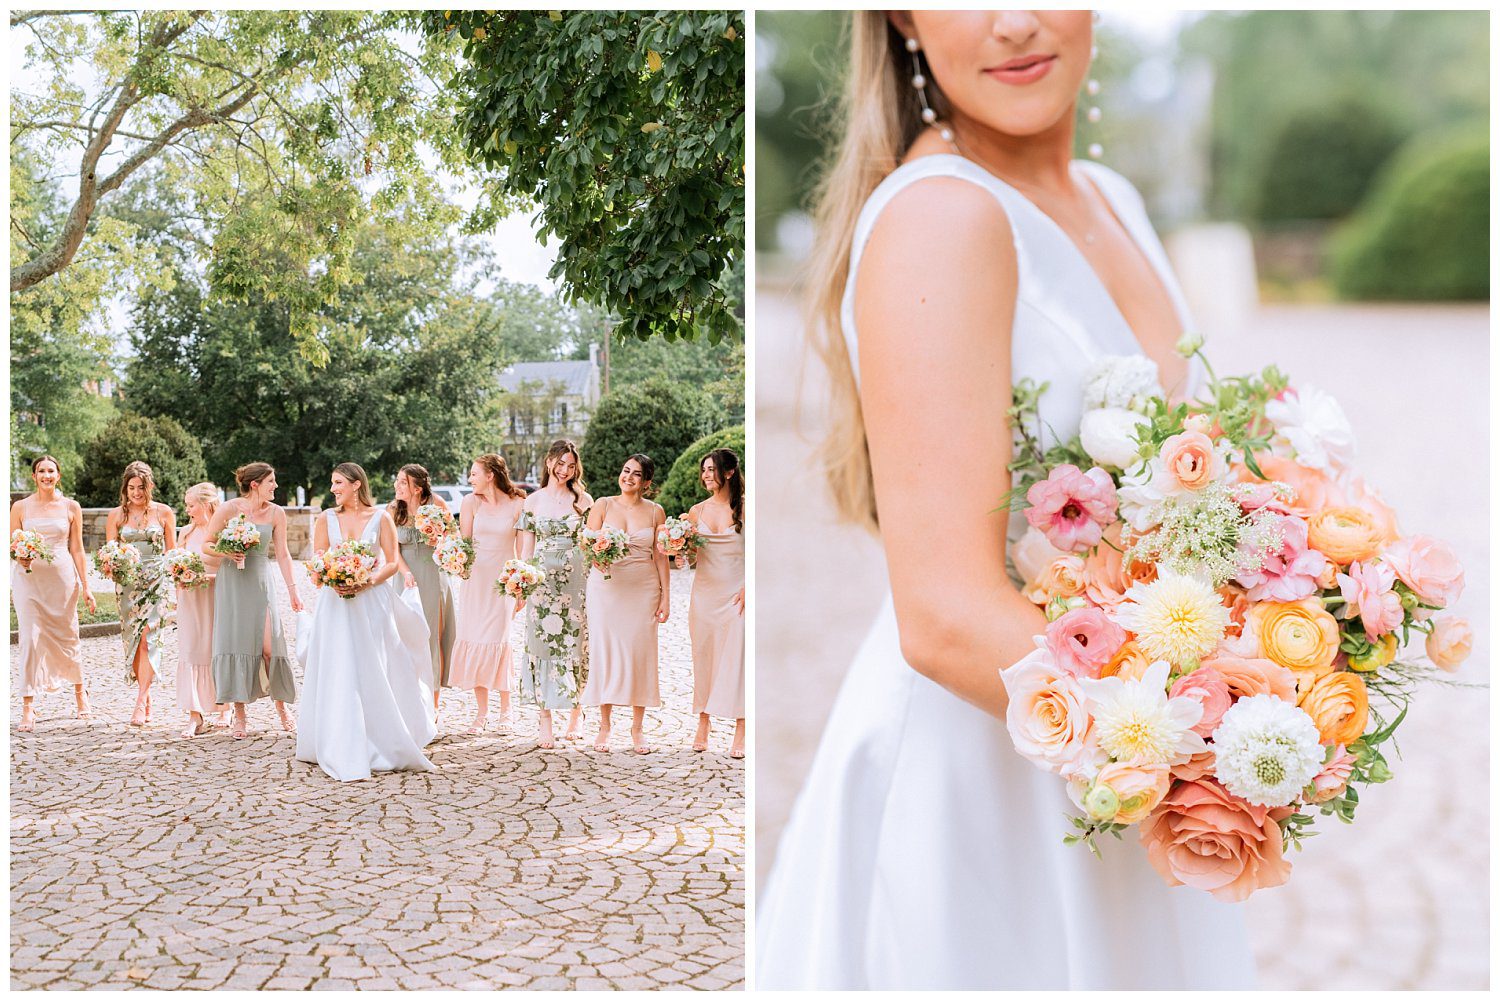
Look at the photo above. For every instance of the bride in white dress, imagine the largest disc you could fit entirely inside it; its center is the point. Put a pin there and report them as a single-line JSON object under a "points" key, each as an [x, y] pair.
{"points": [[960, 252], [366, 704]]}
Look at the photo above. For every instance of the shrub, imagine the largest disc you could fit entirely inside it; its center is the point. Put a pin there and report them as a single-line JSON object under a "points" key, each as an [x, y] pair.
{"points": [[1423, 232], [656, 418], [174, 455], [1323, 161], [682, 489]]}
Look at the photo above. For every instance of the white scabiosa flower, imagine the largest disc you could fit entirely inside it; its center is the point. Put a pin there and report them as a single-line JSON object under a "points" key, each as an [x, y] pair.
{"points": [[1266, 750], [1108, 435], [1313, 426], [1175, 618], [1122, 381], [1135, 721]]}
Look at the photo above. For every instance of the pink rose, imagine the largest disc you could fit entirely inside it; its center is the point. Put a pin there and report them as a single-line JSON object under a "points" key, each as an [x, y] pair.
{"points": [[1449, 643], [1191, 460], [1428, 567], [1072, 507], [1208, 688], [1201, 836], [1367, 591], [1334, 777], [1047, 715], [1289, 574], [1246, 676], [1083, 641]]}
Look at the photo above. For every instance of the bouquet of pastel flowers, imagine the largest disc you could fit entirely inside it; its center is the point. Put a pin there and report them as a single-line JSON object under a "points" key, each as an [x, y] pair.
{"points": [[351, 563], [1230, 611], [433, 524], [604, 547], [520, 578], [677, 537], [117, 561], [185, 568], [29, 546], [239, 535], [454, 556]]}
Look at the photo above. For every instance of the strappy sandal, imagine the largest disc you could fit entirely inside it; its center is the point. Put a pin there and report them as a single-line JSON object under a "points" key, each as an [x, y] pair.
{"points": [[601, 743], [736, 752], [26, 725], [288, 722], [239, 729], [641, 747]]}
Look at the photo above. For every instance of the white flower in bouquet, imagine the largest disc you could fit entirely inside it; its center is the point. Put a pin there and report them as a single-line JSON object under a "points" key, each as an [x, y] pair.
{"points": [[1123, 382], [1312, 426], [1136, 722], [1108, 435], [1032, 554], [1141, 493], [1266, 750], [1175, 618]]}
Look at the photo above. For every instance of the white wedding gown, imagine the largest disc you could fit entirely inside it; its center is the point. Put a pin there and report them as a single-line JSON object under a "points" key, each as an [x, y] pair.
{"points": [[923, 851], [366, 705]]}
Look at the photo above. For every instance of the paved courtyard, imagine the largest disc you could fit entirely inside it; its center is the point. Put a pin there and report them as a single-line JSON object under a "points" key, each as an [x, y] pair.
{"points": [[1400, 899], [141, 859]]}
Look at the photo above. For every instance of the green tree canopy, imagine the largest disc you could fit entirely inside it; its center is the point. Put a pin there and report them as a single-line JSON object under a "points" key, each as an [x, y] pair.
{"points": [[626, 129], [174, 455]]}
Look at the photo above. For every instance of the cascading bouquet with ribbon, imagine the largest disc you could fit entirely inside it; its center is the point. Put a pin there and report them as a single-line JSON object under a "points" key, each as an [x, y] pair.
{"points": [[1231, 614]]}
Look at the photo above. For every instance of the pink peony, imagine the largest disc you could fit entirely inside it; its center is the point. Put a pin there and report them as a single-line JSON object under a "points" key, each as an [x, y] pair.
{"points": [[1072, 507], [1191, 460], [1208, 688], [1083, 641], [1334, 777], [1201, 836], [1449, 643], [1290, 574], [1367, 590], [1047, 715], [1428, 567]]}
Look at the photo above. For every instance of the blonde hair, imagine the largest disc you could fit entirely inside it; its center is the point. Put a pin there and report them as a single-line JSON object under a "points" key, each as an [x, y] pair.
{"points": [[205, 492], [881, 119]]}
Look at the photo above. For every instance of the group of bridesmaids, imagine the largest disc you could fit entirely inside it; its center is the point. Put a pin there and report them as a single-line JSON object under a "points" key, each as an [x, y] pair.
{"points": [[590, 637]]}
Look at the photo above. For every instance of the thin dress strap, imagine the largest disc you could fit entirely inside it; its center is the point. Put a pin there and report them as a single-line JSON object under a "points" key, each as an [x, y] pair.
{"points": [[335, 531]]}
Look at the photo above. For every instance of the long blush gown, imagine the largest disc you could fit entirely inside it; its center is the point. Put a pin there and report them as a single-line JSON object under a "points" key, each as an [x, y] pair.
{"points": [[481, 651], [923, 851], [51, 655], [716, 625], [195, 632], [622, 628]]}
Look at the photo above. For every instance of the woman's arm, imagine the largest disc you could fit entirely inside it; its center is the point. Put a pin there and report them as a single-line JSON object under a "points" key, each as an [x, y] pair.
{"points": [[401, 567], [596, 514], [75, 549], [389, 549], [112, 524], [466, 516], [168, 520], [526, 537], [663, 571], [284, 554], [934, 304]]}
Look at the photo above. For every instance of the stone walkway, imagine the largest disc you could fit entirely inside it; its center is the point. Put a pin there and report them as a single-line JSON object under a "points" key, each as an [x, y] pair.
{"points": [[141, 859], [1398, 900]]}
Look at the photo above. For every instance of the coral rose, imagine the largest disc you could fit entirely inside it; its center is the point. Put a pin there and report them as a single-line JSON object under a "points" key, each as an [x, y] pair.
{"points": [[1312, 491], [1047, 717], [1334, 778], [1083, 641], [1298, 635], [1246, 676], [1428, 567], [1137, 788], [1191, 460], [1206, 687], [1199, 766], [1238, 602], [1072, 507], [1449, 643], [1107, 576], [1201, 836], [1345, 534], [1339, 706]]}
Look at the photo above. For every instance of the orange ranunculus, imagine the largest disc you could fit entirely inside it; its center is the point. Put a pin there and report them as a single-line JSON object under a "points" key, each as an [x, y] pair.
{"points": [[1346, 535], [1129, 662], [1340, 706], [1298, 635]]}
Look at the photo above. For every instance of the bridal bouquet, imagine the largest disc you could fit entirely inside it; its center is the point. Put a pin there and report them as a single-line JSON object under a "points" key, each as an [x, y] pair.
{"points": [[433, 524], [677, 537], [1231, 610], [29, 546], [603, 547], [349, 564], [520, 579], [185, 568], [239, 535], [118, 562], [454, 556]]}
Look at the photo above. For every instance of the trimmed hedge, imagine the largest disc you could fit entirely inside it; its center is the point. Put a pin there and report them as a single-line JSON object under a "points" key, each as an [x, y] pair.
{"points": [[656, 418], [1423, 233], [682, 489], [1323, 161], [174, 455]]}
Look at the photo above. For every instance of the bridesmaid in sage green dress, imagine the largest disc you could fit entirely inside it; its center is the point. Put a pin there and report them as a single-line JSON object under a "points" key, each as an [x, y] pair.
{"points": [[145, 603], [415, 569], [250, 655]]}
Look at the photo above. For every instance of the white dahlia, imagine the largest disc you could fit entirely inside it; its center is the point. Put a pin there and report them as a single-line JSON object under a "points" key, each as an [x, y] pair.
{"points": [[1135, 721], [1312, 425], [1266, 750], [1175, 618]]}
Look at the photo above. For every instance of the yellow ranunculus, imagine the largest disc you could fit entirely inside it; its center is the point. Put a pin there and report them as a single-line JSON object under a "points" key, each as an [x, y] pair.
{"points": [[1298, 635], [1340, 707], [1346, 534]]}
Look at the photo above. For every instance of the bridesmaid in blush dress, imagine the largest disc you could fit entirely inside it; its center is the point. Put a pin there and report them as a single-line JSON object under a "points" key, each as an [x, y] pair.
{"points": [[46, 594], [145, 604], [716, 616], [625, 609], [195, 618], [415, 569], [481, 652]]}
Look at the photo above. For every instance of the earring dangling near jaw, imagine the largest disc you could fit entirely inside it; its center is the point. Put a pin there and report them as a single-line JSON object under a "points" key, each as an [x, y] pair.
{"points": [[919, 84]]}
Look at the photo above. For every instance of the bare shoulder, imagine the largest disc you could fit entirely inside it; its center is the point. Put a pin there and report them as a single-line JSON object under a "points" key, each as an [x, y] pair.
{"points": [[586, 501], [936, 224], [658, 513]]}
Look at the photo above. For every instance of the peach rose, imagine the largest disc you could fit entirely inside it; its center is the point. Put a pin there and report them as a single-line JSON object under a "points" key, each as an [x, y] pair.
{"points": [[1246, 676], [1206, 687], [1428, 567], [1199, 766], [1191, 460], [1108, 577], [1345, 535], [1298, 635], [1136, 788], [1047, 717], [1334, 778], [1201, 836], [1238, 602], [1129, 662], [1312, 491], [1032, 554], [1328, 577], [1449, 643], [1064, 577], [1357, 493], [1339, 705]]}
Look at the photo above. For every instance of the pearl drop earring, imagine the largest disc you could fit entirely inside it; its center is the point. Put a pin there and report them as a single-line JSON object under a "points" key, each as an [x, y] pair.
{"points": [[1094, 115], [919, 84]]}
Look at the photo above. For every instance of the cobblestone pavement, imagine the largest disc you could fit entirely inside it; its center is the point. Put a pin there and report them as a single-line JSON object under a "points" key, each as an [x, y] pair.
{"points": [[1398, 900], [142, 859]]}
